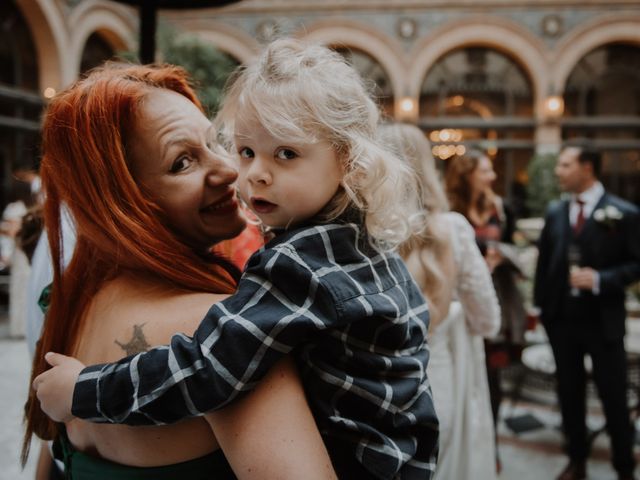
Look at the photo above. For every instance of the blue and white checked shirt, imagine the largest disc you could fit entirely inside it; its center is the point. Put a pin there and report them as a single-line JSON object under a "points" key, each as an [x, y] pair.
{"points": [[357, 325]]}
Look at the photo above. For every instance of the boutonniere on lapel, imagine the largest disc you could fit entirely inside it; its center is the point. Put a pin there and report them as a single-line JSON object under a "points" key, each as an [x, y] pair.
{"points": [[608, 216]]}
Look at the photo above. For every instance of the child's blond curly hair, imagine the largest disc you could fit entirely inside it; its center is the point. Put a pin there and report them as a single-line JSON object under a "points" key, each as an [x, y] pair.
{"points": [[308, 93]]}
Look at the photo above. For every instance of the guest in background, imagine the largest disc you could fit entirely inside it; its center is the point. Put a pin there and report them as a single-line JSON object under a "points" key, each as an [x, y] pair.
{"points": [[469, 180], [13, 257], [41, 275], [589, 251], [445, 261], [21, 199]]}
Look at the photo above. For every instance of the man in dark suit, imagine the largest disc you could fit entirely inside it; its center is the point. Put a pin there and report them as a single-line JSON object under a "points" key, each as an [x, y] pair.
{"points": [[589, 251]]}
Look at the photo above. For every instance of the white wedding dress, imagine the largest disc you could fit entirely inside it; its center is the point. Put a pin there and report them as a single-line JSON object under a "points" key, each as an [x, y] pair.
{"points": [[456, 367]]}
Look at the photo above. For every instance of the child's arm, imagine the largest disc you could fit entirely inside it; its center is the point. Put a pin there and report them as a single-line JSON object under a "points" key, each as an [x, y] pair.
{"points": [[269, 433], [232, 349], [54, 387]]}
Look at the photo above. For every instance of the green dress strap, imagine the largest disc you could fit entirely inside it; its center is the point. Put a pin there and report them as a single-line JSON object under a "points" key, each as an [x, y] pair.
{"points": [[45, 298]]}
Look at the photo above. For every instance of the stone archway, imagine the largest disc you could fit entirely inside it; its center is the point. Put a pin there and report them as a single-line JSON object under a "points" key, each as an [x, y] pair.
{"points": [[384, 50], [588, 37], [115, 24], [489, 32], [596, 68], [49, 32], [229, 40]]}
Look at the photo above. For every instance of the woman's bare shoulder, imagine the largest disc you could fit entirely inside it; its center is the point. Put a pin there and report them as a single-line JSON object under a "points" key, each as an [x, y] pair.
{"points": [[128, 317], [184, 311]]}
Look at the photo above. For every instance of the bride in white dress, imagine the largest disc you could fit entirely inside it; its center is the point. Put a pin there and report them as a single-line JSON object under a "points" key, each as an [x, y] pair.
{"points": [[446, 263]]}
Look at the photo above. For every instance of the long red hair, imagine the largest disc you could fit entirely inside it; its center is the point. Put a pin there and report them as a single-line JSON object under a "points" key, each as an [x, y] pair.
{"points": [[119, 228]]}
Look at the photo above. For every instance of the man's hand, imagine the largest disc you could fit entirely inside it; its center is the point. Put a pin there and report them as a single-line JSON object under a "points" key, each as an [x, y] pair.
{"points": [[54, 388], [582, 278]]}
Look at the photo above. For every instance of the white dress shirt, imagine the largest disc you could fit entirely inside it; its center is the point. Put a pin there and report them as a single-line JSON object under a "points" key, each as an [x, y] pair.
{"points": [[590, 199]]}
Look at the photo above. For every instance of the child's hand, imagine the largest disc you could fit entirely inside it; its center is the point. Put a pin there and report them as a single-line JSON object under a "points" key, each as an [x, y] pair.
{"points": [[54, 388]]}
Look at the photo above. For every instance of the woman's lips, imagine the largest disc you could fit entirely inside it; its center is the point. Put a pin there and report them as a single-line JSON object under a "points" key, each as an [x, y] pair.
{"points": [[260, 205], [224, 206]]}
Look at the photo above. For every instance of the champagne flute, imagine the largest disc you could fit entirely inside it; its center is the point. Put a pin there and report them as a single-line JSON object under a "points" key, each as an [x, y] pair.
{"points": [[575, 259]]}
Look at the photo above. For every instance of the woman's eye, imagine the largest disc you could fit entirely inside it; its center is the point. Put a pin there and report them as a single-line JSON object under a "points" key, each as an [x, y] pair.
{"points": [[182, 163], [286, 154], [246, 153]]}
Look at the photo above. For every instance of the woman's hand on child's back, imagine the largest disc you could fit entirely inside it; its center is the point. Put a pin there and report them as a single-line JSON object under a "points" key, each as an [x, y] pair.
{"points": [[54, 388]]}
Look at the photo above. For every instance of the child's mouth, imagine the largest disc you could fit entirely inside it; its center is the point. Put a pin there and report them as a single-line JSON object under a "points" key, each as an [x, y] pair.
{"points": [[260, 205]]}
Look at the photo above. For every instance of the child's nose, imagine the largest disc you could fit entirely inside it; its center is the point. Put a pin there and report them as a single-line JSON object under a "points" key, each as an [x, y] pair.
{"points": [[259, 172]]}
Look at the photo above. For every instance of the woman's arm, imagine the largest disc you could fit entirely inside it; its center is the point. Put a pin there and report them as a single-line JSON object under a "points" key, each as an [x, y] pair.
{"points": [[271, 433], [475, 288]]}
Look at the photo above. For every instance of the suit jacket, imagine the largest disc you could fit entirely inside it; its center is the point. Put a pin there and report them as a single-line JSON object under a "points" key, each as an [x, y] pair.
{"points": [[611, 247]]}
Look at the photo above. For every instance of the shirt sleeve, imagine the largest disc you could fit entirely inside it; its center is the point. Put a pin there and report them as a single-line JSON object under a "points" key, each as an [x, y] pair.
{"points": [[233, 348]]}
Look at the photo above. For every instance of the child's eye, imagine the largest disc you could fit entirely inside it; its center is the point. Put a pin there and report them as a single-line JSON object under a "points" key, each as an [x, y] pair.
{"points": [[246, 152], [180, 164], [286, 154]]}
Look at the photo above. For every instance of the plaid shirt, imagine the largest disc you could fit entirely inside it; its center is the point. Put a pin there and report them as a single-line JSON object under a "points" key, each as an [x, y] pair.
{"points": [[356, 323]]}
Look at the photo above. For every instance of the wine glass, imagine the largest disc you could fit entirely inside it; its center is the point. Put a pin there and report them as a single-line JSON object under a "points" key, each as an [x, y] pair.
{"points": [[574, 257]]}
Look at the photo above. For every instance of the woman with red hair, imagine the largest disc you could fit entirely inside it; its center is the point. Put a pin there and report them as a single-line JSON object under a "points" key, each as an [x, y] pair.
{"points": [[130, 153]]}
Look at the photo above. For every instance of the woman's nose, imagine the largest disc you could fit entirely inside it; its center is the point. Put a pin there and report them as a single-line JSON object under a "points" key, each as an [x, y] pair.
{"points": [[221, 171]]}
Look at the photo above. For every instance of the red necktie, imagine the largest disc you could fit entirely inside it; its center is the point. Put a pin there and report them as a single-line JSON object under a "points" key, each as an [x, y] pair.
{"points": [[577, 227]]}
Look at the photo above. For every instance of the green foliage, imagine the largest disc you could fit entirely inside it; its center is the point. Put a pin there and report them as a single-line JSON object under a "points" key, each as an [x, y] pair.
{"points": [[543, 186], [128, 56], [209, 68]]}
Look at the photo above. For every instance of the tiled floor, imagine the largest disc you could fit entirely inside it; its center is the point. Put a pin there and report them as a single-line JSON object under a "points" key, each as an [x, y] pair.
{"points": [[14, 368], [537, 454]]}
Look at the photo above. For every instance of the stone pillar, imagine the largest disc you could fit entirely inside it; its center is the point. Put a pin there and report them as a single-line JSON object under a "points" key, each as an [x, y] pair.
{"points": [[548, 137]]}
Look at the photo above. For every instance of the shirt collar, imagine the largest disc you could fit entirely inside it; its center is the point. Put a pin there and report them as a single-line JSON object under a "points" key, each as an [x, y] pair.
{"points": [[591, 195]]}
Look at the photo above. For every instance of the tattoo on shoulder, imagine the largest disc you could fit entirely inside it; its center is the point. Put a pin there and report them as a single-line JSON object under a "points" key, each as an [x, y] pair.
{"points": [[138, 342]]}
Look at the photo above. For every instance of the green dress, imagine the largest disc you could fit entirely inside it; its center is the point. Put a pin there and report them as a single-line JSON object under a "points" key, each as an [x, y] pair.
{"points": [[80, 466]]}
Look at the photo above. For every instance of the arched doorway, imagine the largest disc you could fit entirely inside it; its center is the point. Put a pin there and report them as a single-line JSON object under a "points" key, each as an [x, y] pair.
{"points": [[372, 71], [20, 102], [478, 97], [96, 51], [602, 104]]}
